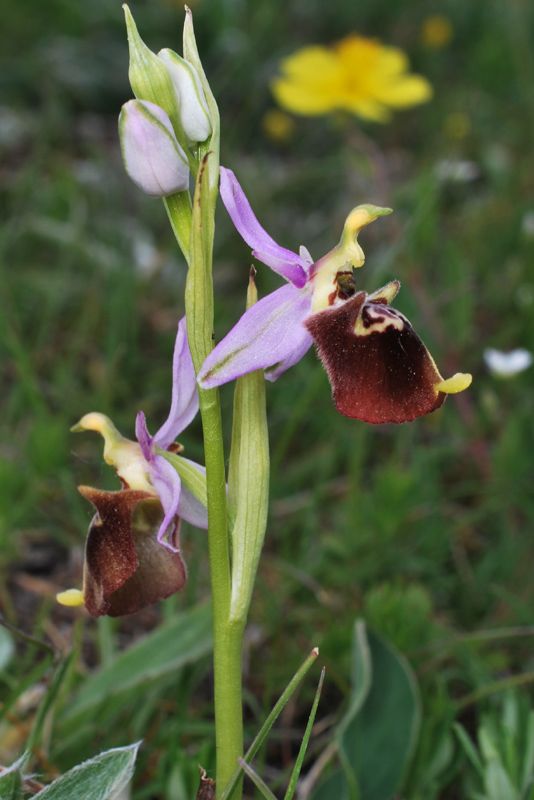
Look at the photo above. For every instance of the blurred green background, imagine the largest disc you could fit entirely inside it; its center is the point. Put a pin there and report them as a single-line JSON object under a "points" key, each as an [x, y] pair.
{"points": [[424, 529]]}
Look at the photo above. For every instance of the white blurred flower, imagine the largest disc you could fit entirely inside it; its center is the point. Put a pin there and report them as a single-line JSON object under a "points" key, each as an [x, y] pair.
{"points": [[506, 365], [527, 224], [456, 170]]}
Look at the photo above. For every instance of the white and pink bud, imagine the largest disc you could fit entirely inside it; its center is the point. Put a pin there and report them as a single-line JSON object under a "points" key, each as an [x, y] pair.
{"points": [[190, 96], [152, 156]]}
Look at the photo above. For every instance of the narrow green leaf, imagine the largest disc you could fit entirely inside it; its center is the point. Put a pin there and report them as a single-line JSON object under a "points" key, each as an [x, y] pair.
{"points": [[269, 722], [49, 699], [181, 641], [528, 764], [32, 678], [101, 778], [497, 784], [469, 748], [7, 647], [303, 747], [255, 778]]}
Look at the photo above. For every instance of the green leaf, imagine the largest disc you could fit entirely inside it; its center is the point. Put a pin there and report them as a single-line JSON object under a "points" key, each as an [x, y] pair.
{"points": [[256, 780], [469, 748], [379, 742], [101, 778], [305, 740], [497, 784], [11, 781], [377, 736], [183, 640], [335, 786], [361, 673], [7, 648]]}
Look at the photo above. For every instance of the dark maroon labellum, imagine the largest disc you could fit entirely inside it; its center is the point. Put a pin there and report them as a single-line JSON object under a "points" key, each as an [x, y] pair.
{"points": [[379, 368]]}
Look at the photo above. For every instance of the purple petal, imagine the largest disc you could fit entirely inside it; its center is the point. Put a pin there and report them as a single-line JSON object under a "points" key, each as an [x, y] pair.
{"points": [[302, 345], [168, 485], [191, 510], [269, 334], [288, 264], [184, 404], [143, 436]]}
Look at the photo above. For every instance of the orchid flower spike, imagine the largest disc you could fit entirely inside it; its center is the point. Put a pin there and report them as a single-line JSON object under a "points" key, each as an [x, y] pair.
{"points": [[379, 369], [132, 556]]}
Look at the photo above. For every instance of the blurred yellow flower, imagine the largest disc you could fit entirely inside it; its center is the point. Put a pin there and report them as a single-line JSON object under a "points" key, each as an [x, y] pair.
{"points": [[436, 32], [278, 126], [356, 74]]}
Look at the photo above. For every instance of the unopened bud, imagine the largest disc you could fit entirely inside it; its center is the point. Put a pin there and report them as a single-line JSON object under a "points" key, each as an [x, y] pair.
{"points": [[194, 113], [152, 155], [149, 77]]}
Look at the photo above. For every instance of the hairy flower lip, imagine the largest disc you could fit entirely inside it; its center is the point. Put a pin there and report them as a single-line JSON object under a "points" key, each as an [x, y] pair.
{"points": [[125, 568]]}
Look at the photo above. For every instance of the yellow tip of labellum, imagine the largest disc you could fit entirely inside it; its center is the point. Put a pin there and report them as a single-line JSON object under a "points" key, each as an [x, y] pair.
{"points": [[456, 384], [72, 597]]}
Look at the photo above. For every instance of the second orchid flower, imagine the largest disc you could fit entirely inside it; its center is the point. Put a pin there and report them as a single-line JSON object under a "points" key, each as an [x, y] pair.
{"points": [[379, 368]]}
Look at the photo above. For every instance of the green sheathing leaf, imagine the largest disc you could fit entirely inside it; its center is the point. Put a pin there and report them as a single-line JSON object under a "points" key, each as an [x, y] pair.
{"points": [[101, 778], [182, 641]]}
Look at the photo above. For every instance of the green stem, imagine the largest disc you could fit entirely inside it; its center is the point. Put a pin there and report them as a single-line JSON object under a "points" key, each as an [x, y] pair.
{"points": [[228, 638]]}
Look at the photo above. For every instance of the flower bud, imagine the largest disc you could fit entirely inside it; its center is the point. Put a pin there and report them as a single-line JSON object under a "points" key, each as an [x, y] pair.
{"points": [[194, 113], [149, 77], [152, 155]]}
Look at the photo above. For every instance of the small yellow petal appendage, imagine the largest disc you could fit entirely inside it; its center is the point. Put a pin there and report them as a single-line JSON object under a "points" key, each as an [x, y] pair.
{"points": [[456, 384], [71, 597]]}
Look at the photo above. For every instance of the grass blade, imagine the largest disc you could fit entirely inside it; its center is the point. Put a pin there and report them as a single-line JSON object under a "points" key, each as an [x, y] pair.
{"points": [[269, 722], [303, 747], [255, 778]]}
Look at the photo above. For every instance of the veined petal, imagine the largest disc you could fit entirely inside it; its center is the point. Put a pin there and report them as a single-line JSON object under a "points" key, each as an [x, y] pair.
{"points": [[268, 334], [143, 437], [302, 343], [184, 405], [168, 485], [191, 510], [288, 264]]}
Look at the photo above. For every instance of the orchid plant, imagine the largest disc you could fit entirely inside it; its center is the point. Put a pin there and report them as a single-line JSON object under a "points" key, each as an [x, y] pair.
{"points": [[379, 369]]}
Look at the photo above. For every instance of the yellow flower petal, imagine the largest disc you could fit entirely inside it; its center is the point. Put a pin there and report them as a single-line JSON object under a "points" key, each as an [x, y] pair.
{"points": [[358, 75], [405, 91], [312, 84]]}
